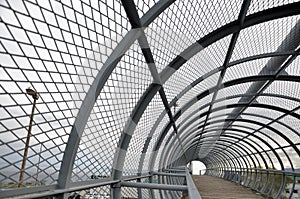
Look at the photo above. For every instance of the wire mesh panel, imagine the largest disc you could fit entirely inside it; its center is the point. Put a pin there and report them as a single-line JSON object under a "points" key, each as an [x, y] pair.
{"points": [[74, 74], [112, 109], [98, 192], [153, 140], [257, 5], [183, 23], [250, 68], [129, 192], [294, 124], [144, 6], [158, 153], [293, 68], [189, 116], [57, 48], [201, 64], [140, 135], [265, 37]]}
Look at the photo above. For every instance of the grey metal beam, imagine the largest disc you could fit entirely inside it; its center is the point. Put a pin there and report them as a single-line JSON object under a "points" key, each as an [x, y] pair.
{"points": [[233, 63], [241, 19], [251, 143], [250, 20], [274, 66], [47, 191], [271, 139], [154, 186], [197, 117], [239, 146], [255, 130], [169, 174], [134, 19], [66, 168], [147, 142], [154, 11], [129, 129], [276, 120], [220, 152], [233, 82], [261, 127], [262, 140], [193, 191], [132, 14], [200, 79], [96, 87], [233, 150], [244, 147], [136, 177], [175, 170]]}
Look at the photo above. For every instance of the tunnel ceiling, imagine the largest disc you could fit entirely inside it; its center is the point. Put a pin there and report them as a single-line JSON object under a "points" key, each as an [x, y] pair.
{"points": [[136, 86]]}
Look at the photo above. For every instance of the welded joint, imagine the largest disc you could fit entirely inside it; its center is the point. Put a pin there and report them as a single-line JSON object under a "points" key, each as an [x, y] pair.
{"points": [[116, 185]]}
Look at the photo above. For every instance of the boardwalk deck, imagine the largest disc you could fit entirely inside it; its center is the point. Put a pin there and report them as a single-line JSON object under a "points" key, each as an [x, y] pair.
{"points": [[216, 188]]}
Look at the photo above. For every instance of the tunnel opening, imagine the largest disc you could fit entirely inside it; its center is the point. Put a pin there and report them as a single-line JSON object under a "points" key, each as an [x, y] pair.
{"points": [[198, 167]]}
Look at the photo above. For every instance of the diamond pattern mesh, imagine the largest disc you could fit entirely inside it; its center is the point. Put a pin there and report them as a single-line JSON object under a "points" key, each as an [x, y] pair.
{"points": [[60, 47], [110, 113], [138, 140]]}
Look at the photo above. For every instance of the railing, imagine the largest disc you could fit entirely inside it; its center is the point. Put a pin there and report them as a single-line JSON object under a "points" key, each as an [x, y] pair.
{"points": [[269, 182], [171, 182]]}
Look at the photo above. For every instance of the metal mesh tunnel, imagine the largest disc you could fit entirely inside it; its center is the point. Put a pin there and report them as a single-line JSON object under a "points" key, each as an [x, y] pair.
{"points": [[122, 95]]}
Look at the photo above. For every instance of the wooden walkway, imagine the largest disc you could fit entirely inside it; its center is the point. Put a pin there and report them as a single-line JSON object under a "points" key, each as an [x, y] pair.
{"points": [[216, 188]]}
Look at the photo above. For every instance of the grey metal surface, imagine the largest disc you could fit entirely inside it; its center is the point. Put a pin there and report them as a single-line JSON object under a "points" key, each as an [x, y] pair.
{"points": [[109, 74], [155, 186], [193, 191]]}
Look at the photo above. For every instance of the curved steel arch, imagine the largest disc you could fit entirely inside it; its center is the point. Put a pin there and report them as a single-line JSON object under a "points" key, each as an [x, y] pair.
{"points": [[241, 139], [197, 117], [96, 87], [238, 138], [254, 130], [271, 161], [233, 27], [248, 155], [268, 127], [220, 160], [219, 148], [227, 84], [174, 156], [224, 145], [268, 106], [232, 148], [265, 186]]}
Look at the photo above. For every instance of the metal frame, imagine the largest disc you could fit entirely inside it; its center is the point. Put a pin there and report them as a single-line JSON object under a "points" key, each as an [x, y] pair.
{"points": [[243, 80], [187, 138]]}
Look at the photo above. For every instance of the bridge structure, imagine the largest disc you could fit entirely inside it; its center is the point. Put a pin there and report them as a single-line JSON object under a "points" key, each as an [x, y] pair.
{"points": [[115, 98]]}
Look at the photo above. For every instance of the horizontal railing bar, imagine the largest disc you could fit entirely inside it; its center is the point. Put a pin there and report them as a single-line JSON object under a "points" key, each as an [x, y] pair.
{"points": [[174, 170], [136, 177], [40, 192], [259, 169], [169, 174], [155, 186]]}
